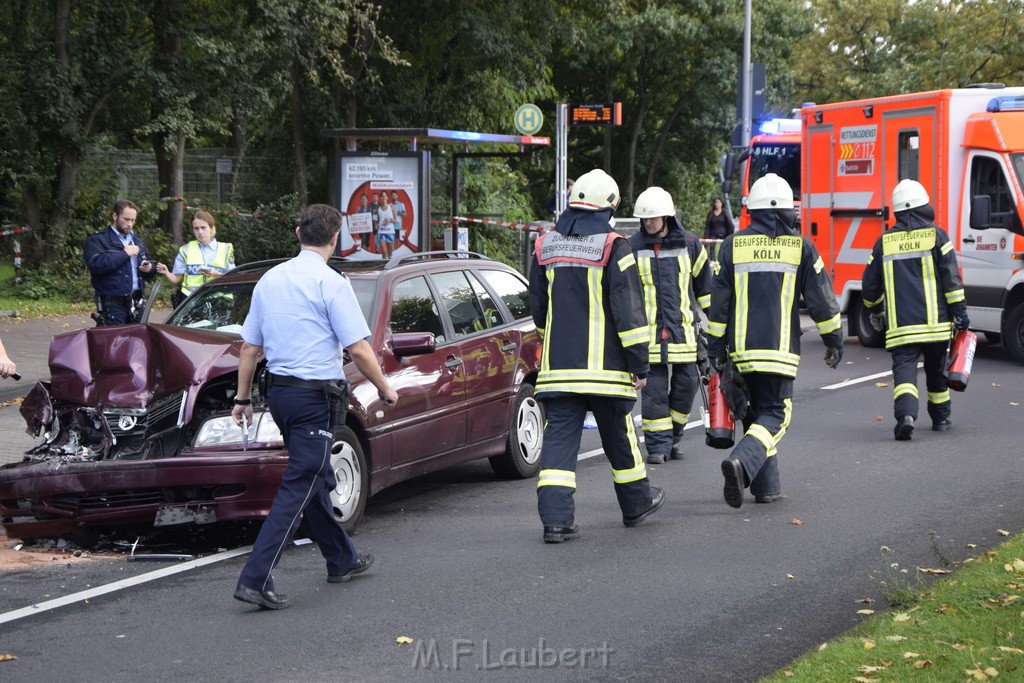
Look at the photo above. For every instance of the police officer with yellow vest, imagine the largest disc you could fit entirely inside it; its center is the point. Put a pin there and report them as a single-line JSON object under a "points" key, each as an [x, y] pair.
{"points": [[587, 303], [202, 259], [755, 322], [912, 270], [675, 272]]}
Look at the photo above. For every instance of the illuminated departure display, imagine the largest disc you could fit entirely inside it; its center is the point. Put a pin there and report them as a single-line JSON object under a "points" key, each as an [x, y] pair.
{"points": [[596, 114]]}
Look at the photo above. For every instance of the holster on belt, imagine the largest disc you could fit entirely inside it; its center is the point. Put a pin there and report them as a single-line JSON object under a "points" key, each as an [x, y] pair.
{"points": [[337, 394]]}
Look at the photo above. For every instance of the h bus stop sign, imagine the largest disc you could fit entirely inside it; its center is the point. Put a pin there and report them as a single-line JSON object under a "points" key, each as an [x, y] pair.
{"points": [[529, 119]]}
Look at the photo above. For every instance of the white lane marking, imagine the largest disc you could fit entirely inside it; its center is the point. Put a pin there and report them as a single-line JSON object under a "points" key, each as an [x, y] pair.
{"points": [[866, 378], [38, 608], [600, 451]]}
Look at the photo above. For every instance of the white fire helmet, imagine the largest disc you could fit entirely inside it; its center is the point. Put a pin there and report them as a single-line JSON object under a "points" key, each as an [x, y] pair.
{"points": [[770, 192], [654, 202], [594, 191], [908, 194]]}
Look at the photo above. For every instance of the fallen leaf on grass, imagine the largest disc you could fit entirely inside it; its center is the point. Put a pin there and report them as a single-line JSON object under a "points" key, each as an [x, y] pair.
{"points": [[869, 645], [932, 570], [1014, 650], [862, 679], [922, 663], [865, 611], [822, 647], [1003, 599], [796, 521], [1002, 532], [403, 640], [869, 669], [896, 639], [1016, 566], [901, 617], [910, 655]]}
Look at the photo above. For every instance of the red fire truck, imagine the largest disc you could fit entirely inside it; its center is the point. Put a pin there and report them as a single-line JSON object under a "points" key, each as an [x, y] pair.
{"points": [[966, 146]]}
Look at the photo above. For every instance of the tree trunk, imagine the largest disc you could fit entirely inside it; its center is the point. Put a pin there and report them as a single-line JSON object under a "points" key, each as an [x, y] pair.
{"points": [[169, 164], [634, 137], [298, 144], [662, 137]]}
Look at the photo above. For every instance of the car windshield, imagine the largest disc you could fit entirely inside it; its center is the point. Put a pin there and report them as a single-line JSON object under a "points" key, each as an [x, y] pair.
{"points": [[223, 307], [779, 158]]}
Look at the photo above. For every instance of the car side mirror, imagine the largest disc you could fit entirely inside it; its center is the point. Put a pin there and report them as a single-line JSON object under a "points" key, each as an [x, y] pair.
{"points": [[981, 212], [412, 343]]}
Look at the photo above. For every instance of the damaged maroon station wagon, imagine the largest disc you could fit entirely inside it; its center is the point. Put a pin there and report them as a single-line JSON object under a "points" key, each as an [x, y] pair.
{"points": [[135, 427]]}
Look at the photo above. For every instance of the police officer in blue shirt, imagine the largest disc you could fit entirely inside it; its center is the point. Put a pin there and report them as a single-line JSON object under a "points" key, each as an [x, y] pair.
{"points": [[119, 265], [302, 313]]}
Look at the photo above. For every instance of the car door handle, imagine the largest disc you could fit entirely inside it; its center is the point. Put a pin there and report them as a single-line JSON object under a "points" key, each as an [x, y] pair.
{"points": [[452, 362], [968, 240], [509, 346]]}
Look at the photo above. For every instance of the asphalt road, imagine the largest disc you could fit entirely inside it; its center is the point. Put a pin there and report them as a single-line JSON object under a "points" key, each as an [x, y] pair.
{"points": [[699, 592]]}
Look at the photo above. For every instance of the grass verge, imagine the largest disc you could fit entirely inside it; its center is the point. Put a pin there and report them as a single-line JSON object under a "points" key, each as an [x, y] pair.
{"points": [[968, 626]]}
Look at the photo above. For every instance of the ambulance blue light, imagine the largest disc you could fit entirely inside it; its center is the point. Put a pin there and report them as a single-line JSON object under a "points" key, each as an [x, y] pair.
{"points": [[997, 104]]}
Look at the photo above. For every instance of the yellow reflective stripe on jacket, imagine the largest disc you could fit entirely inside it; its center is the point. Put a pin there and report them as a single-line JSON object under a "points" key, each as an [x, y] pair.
{"points": [[787, 295], [830, 325], [566, 478], [917, 334], [717, 329], [638, 335], [955, 296]]}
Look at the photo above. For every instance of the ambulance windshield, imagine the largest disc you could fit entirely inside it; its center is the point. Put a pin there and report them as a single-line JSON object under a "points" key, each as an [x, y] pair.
{"points": [[776, 157]]}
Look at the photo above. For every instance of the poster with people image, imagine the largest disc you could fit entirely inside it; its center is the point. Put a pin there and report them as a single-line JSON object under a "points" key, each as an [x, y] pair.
{"points": [[381, 202]]}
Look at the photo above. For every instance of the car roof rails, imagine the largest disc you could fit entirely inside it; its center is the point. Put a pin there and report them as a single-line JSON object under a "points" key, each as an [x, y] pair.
{"points": [[431, 255]]}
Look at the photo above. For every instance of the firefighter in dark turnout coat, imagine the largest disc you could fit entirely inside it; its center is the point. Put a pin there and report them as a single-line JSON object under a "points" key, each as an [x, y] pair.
{"points": [[912, 283], [586, 301], [755, 318], [675, 272]]}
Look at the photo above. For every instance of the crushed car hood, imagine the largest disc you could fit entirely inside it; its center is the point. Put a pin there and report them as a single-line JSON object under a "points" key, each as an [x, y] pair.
{"points": [[131, 366]]}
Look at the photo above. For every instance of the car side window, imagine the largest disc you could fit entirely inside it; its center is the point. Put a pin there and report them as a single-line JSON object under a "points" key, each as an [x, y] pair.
{"points": [[512, 290], [413, 309], [460, 300], [492, 316]]}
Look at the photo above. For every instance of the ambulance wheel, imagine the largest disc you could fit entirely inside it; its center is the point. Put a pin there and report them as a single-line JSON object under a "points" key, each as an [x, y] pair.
{"points": [[868, 336], [521, 459], [1013, 333], [348, 497]]}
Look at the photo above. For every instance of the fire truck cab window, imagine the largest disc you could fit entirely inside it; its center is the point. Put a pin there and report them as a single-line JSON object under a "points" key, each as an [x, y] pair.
{"points": [[781, 159], [987, 178]]}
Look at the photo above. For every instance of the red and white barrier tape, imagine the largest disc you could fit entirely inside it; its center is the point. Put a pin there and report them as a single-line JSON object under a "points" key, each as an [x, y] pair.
{"points": [[14, 231]]}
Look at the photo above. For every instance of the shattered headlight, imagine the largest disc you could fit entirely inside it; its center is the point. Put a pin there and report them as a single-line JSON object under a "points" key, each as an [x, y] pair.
{"points": [[222, 431]]}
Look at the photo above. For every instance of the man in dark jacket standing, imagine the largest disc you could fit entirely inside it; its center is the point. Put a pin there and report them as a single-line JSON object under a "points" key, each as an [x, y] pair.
{"points": [[676, 276], [119, 264], [586, 301], [755, 322], [912, 270]]}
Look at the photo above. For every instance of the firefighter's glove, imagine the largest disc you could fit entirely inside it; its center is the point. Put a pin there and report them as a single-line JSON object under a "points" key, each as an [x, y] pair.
{"points": [[718, 363], [833, 354], [961, 322], [877, 320]]}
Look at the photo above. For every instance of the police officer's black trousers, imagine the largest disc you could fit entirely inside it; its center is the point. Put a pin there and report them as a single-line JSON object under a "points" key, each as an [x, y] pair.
{"points": [[304, 417], [557, 482], [904, 380], [667, 400], [766, 422]]}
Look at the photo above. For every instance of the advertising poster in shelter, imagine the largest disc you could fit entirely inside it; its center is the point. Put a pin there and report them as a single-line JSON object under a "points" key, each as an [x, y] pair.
{"points": [[381, 203]]}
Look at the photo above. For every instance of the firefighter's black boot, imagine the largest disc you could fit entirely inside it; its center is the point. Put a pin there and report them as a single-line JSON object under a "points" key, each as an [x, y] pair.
{"points": [[557, 534], [904, 428], [735, 482]]}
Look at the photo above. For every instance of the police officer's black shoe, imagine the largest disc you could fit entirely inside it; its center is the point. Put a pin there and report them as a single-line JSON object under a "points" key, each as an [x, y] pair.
{"points": [[735, 482], [768, 497], [657, 498], [264, 599], [904, 428], [677, 453], [655, 458], [942, 425], [362, 564], [557, 534]]}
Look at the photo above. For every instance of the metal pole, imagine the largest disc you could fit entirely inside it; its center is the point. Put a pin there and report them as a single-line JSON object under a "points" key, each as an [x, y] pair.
{"points": [[746, 81], [561, 157]]}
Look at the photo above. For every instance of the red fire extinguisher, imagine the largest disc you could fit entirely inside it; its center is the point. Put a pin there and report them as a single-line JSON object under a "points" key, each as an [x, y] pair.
{"points": [[961, 359], [719, 424]]}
